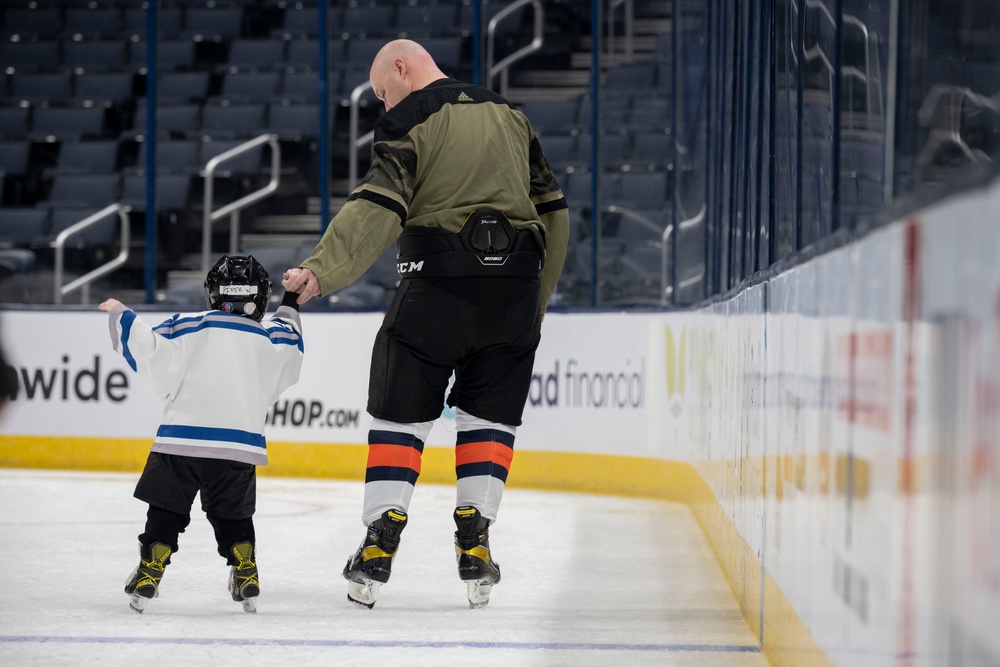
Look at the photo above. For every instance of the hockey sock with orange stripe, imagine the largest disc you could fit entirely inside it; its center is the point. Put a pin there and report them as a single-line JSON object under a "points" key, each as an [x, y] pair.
{"points": [[394, 457]]}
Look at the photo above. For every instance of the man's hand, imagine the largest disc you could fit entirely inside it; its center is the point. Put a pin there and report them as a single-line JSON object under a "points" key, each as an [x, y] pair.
{"points": [[303, 281], [109, 305]]}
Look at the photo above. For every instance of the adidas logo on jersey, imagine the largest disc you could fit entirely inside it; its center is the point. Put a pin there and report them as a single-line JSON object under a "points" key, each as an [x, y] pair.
{"points": [[462, 97]]}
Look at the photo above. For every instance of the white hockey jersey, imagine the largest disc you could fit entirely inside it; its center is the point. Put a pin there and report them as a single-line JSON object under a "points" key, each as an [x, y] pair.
{"points": [[217, 374]]}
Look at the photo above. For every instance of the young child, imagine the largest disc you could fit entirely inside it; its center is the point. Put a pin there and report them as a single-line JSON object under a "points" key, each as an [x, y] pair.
{"points": [[217, 373]]}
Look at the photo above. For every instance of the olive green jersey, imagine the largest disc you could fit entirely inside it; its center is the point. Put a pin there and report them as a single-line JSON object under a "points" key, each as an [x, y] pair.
{"points": [[443, 152]]}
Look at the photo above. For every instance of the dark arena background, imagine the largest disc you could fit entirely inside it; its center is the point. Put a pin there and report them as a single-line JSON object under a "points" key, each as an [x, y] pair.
{"points": [[768, 391]]}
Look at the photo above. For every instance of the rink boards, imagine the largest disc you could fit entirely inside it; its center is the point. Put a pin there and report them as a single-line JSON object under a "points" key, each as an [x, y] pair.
{"points": [[834, 428]]}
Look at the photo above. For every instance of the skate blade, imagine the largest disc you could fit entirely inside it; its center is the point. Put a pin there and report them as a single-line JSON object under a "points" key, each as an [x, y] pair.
{"points": [[363, 593], [249, 605], [137, 603], [479, 594]]}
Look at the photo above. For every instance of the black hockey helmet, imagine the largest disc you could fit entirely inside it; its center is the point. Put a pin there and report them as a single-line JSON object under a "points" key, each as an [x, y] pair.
{"points": [[240, 285]]}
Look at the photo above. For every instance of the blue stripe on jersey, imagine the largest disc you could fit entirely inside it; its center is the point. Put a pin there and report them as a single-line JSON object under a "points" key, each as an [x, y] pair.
{"points": [[485, 435], [395, 438], [177, 326], [128, 317], [285, 335], [390, 474], [480, 469], [210, 433], [176, 323], [213, 324]]}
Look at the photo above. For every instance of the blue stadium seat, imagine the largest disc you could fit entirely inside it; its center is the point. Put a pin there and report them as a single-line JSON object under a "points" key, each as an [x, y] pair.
{"points": [[303, 54], [23, 227], [97, 87], [182, 87], [14, 156], [551, 116], [93, 56], [247, 163], [246, 87], [642, 189], [92, 22], [171, 120], [636, 226], [169, 20], [560, 151], [83, 190], [361, 52], [14, 122], [447, 51], [173, 191], [351, 79], [614, 112], [30, 56], [650, 149], [255, 54], [180, 156], [86, 157], [614, 147], [213, 23], [301, 87], [16, 260], [230, 121], [39, 88], [293, 121], [302, 21], [416, 21], [67, 123], [102, 234], [26, 24], [371, 21], [171, 55], [650, 112]]}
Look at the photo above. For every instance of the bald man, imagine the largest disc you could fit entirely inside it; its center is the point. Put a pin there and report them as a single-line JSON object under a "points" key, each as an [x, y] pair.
{"points": [[459, 182]]}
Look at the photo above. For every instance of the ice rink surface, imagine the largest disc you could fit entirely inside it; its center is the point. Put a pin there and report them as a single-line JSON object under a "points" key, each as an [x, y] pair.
{"points": [[587, 580]]}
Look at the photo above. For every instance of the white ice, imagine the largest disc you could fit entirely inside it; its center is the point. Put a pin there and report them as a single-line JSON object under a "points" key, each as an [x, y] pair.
{"points": [[587, 580]]}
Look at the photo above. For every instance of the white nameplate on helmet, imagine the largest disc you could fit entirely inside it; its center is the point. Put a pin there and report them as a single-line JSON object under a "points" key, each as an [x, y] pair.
{"points": [[238, 290]]}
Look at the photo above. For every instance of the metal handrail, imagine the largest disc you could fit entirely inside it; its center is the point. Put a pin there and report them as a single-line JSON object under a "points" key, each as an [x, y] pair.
{"points": [[850, 19], [233, 209], [357, 143], [666, 287], [85, 280], [629, 29], [503, 67]]}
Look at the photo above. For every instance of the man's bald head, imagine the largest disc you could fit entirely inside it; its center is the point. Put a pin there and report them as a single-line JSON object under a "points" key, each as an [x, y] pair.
{"points": [[399, 68]]}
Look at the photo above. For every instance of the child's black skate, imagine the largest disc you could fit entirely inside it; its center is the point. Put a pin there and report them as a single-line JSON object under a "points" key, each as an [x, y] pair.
{"points": [[472, 549], [371, 564], [243, 583], [144, 582]]}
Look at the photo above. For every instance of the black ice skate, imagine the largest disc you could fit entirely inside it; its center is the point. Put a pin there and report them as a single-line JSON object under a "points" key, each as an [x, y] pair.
{"points": [[371, 564], [472, 549], [243, 583], [144, 582]]}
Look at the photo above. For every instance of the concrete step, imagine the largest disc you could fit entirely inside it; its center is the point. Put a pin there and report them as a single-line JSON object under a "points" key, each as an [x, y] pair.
{"points": [[530, 94], [185, 277], [283, 225], [574, 78], [279, 240]]}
